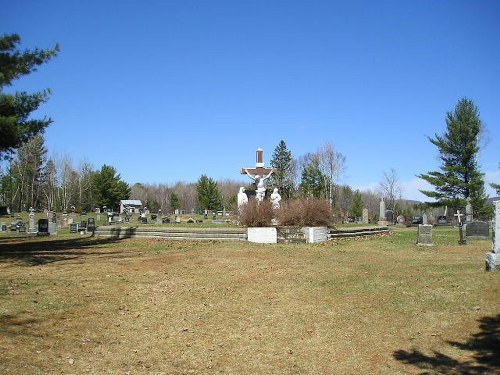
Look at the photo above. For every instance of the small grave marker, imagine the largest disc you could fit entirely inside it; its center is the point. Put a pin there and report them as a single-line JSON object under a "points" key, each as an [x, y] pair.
{"points": [[424, 235]]}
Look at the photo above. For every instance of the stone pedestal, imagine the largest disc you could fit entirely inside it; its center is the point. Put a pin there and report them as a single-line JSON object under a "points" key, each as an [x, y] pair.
{"points": [[492, 262]]}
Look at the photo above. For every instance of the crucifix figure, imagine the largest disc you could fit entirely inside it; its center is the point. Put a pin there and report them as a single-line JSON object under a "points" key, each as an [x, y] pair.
{"points": [[259, 174], [458, 215]]}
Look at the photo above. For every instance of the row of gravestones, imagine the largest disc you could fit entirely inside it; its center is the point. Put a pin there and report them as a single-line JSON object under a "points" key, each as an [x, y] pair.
{"points": [[45, 227], [477, 230], [473, 230]]}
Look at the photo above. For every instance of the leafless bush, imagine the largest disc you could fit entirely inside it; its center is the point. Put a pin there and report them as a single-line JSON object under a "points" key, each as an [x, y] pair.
{"points": [[305, 212], [255, 214]]}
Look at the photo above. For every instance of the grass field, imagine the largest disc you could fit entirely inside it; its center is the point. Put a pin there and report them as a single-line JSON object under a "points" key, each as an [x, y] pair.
{"points": [[382, 305]]}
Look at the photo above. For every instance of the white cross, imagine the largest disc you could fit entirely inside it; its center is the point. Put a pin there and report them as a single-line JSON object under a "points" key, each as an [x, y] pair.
{"points": [[459, 216]]}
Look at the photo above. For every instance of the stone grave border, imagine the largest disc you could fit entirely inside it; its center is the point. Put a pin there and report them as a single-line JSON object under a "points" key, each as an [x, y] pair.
{"points": [[284, 234]]}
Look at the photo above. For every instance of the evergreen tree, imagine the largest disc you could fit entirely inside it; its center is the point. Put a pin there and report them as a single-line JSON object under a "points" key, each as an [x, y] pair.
{"points": [[357, 205], [16, 126], [209, 196], [282, 178], [108, 187], [313, 181], [175, 204], [460, 177]]}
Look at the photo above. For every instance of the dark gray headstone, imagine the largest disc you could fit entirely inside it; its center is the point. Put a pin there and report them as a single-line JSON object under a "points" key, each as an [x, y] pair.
{"points": [[90, 225], [73, 228], [478, 230], [442, 220], [43, 227]]}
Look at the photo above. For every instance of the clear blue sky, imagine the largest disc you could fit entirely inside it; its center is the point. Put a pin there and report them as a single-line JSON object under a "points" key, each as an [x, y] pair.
{"points": [[166, 91]]}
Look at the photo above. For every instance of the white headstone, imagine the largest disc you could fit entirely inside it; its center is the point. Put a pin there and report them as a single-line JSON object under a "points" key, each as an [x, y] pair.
{"points": [[496, 229], [493, 258], [382, 210], [424, 219], [468, 212]]}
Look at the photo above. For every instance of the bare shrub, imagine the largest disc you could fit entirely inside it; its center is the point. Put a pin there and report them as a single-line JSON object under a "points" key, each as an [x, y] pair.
{"points": [[255, 214], [306, 212]]}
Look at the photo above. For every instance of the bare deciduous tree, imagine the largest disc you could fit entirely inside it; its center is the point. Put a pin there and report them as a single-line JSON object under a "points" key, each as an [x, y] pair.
{"points": [[390, 189]]}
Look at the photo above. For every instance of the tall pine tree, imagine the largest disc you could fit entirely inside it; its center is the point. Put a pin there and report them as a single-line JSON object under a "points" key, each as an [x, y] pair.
{"points": [[16, 125], [282, 178], [459, 177], [209, 196]]}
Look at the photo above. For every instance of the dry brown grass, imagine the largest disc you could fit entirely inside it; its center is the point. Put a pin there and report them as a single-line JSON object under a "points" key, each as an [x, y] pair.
{"points": [[379, 306]]}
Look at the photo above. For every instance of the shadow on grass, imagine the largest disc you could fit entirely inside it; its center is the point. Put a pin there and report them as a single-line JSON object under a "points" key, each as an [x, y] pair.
{"points": [[485, 347], [38, 251]]}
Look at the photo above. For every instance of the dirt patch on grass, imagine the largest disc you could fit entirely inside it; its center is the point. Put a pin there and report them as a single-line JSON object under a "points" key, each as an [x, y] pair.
{"points": [[166, 307]]}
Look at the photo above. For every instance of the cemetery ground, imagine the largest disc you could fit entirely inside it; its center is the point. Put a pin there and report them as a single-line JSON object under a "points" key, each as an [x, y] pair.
{"points": [[381, 305]]}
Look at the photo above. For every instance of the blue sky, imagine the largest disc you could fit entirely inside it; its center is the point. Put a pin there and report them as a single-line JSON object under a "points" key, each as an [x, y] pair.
{"points": [[166, 91]]}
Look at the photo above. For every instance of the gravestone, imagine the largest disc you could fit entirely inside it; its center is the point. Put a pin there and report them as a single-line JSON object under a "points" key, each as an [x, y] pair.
{"points": [[401, 220], [424, 219], [52, 228], [73, 228], [442, 220], [21, 227], [70, 221], [493, 258], [365, 216], [3, 227], [382, 220], [43, 227], [424, 235], [389, 216], [32, 227], [91, 225], [468, 212], [478, 230]]}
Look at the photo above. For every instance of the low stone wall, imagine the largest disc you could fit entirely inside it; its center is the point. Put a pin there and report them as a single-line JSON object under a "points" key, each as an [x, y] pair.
{"points": [[356, 231], [284, 234], [222, 234]]}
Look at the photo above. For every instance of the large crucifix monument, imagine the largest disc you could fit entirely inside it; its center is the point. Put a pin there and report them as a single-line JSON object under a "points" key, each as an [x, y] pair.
{"points": [[259, 174]]}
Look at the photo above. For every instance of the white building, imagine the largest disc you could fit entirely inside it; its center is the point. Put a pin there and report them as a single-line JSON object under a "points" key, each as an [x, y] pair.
{"points": [[131, 205]]}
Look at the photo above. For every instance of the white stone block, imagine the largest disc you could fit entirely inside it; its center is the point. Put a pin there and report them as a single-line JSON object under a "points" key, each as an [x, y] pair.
{"points": [[262, 235]]}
